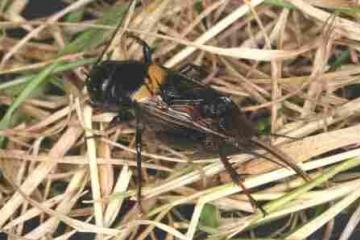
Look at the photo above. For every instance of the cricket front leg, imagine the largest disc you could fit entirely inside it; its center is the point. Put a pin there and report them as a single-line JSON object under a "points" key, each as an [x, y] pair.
{"points": [[138, 147]]}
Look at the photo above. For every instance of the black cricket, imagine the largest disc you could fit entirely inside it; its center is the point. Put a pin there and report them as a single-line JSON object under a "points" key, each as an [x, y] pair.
{"points": [[173, 102]]}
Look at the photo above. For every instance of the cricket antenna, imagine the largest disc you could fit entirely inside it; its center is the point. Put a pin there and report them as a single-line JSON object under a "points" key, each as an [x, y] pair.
{"points": [[147, 51], [118, 26]]}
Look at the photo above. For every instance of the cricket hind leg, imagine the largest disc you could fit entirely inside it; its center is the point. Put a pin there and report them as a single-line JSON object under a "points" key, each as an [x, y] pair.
{"points": [[238, 179], [282, 157]]}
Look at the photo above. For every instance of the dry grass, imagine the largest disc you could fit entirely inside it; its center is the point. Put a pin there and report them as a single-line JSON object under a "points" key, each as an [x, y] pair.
{"points": [[297, 60]]}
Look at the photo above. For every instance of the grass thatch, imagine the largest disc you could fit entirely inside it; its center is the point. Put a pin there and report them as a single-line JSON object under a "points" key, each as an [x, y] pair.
{"points": [[297, 60]]}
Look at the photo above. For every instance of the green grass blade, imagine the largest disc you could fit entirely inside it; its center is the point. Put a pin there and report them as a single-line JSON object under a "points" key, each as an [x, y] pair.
{"points": [[58, 69], [30, 87]]}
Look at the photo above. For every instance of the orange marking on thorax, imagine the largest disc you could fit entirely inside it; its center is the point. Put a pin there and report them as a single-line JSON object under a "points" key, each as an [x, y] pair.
{"points": [[156, 77]]}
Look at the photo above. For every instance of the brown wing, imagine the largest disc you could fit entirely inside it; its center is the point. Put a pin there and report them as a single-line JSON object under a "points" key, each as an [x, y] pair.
{"points": [[181, 116], [178, 116]]}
